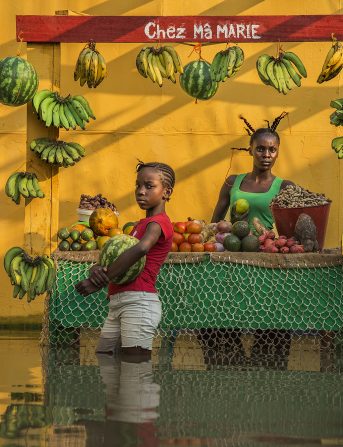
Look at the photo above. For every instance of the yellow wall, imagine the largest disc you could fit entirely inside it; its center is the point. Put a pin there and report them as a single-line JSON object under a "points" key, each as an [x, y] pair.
{"points": [[137, 119]]}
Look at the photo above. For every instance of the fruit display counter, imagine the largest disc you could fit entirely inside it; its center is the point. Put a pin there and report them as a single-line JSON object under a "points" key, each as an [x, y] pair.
{"points": [[217, 290]]}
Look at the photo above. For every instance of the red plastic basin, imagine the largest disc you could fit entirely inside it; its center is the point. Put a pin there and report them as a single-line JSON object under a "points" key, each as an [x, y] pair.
{"points": [[286, 218]]}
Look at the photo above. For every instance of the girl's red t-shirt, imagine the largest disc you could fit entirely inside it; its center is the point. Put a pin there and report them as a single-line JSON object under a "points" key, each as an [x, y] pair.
{"points": [[145, 281]]}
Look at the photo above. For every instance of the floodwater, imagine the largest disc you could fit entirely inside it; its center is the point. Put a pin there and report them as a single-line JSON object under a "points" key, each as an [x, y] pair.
{"points": [[185, 396]]}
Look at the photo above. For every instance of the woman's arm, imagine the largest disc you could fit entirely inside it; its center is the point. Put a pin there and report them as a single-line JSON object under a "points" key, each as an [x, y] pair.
{"points": [[223, 202], [100, 278]]}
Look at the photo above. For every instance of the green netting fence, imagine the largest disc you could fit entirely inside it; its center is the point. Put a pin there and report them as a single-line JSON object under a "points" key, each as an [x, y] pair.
{"points": [[218, 296]]}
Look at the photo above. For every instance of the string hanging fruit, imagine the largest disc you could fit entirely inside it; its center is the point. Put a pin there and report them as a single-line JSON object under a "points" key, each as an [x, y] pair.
{"points": [[196, 80], [56, 152], [90, 66], [23, 184], [159, 64], [226, 63], [62, 112], [29, 276], [283, 72], [333, 62]]}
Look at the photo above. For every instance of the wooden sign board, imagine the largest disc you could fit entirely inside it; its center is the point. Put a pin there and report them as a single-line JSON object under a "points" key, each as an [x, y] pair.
{"points": [[143, 29]]}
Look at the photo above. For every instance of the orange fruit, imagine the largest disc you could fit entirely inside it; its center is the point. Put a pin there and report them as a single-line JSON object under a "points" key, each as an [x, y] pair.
{"points": [[101, 241], [114, 231]]}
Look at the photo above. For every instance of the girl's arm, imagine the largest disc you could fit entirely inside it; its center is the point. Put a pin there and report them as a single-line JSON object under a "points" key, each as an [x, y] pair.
{"points": [[125, 260], [100, 277], [223, 202]]}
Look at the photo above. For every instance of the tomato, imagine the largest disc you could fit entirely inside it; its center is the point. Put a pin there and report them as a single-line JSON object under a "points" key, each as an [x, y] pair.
{"points": [[178, 238], [194, 227], [194, 238], [180, 227], [174, 247], [198, 247], [209, 246], [185, 246]]}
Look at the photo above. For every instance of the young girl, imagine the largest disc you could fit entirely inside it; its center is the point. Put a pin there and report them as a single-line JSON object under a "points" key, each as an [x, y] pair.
{"points": [[134, 308], [259, 186]]}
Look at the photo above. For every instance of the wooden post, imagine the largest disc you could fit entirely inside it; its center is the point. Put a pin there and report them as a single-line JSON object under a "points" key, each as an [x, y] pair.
{"points": [[41, 215]]}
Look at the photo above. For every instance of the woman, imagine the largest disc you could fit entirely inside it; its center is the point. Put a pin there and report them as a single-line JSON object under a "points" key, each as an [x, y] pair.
{"points": [[259, 186]]}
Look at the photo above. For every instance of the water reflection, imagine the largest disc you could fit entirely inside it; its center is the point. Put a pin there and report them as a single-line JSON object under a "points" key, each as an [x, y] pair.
{"points": [[217, 391]]}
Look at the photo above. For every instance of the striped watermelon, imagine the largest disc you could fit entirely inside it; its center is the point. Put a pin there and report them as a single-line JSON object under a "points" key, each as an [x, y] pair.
{"points": [[115, 247], [196, 80], [18, 81]]}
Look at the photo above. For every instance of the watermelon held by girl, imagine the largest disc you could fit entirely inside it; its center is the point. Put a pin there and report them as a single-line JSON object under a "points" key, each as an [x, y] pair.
{"points": [[196, 80], [113, 248], [18, 81]]}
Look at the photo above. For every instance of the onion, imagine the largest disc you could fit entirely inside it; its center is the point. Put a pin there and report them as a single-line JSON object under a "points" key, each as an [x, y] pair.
{"points": [[224, 227], [220, 237], [219, 246]]}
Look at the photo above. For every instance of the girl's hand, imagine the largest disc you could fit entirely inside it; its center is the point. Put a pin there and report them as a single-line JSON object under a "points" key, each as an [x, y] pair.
{"points": [[86, 287], [99, 277]]}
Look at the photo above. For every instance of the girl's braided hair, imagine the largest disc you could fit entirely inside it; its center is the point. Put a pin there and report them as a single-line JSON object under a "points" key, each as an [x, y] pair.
{"points": [[271, 129], [168, 174]]}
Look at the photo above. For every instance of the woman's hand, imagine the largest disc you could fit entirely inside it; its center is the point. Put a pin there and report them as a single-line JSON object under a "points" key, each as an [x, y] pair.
{"points": [[86, 287]]}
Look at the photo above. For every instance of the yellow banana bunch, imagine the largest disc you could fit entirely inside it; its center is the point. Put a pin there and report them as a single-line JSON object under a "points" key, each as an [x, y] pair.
{"points": [[31, 276], [160, 63], [226, 63], [58, 153], [333, 62], [90, 67], [283, 73], [67, 113], [23, 184]]}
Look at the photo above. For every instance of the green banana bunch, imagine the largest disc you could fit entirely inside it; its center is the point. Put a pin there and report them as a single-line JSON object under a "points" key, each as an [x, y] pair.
{"points": [[57, 111], [59, 153], [337, 146], [283, 73], [157, 64], [90, 67], [336, 118], [23, 184], [29, 276], [226, 63], [333, 62]]}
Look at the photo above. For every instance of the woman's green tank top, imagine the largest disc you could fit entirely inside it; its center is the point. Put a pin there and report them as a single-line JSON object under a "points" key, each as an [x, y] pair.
{"points": [[258, 201]]}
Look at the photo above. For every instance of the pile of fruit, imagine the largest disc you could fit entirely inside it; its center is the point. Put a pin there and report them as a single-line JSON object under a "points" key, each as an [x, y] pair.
{"points": [[31, 276], [271, 244], [23, 184], [103, 224], [88, 202]]}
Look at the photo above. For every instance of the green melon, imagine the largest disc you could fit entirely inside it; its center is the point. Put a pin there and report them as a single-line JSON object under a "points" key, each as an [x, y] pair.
{"points": [[250, 243], [18, 81], [240, 229], [196, 80], [232, 243], [113, 248]]}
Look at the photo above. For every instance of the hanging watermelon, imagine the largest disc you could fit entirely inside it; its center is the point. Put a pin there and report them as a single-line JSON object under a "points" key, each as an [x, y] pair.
{"points": [[196, 80], [18, 81]]}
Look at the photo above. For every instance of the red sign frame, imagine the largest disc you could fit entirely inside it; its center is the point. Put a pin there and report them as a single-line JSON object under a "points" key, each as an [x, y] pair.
{"points": [[178, 29]]}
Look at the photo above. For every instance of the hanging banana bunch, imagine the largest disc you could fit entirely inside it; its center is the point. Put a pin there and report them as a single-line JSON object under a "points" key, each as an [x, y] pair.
{"points": [[226, 63], [283, 72], [159, 63], [57, 153], [90, 66], [23, 184], [333, 62], [29, 276]]}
